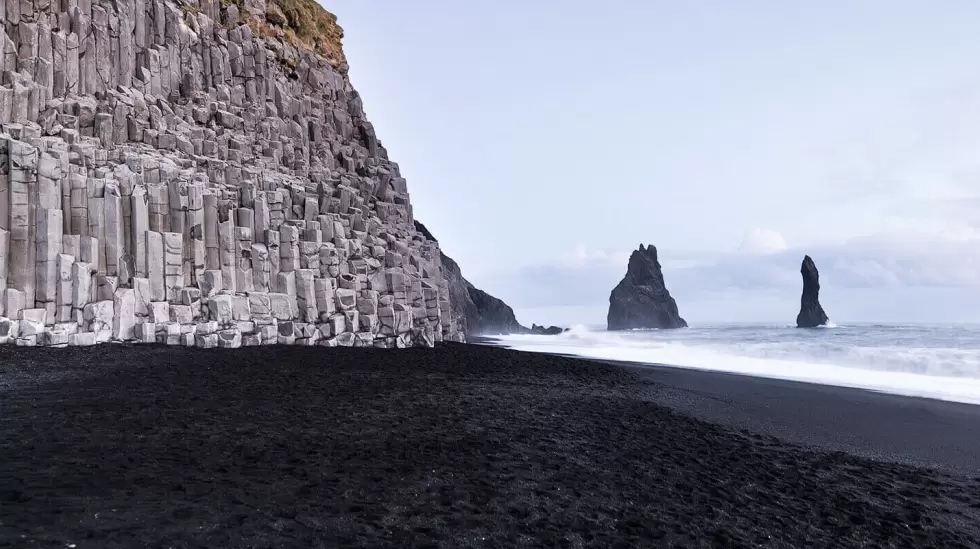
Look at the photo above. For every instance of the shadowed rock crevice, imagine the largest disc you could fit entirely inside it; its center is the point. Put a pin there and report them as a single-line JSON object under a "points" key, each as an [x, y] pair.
{"points": [[641, 299], [811, 313]]}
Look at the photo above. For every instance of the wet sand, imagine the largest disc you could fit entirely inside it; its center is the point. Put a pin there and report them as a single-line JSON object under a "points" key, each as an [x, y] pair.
{"points": [[460, 446], [881, 426]]}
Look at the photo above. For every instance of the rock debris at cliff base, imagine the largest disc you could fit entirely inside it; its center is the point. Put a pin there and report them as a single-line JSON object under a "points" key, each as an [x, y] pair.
{"points": [[183, 173]]}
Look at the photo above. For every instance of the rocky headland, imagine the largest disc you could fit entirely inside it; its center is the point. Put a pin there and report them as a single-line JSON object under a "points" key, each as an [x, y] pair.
{"points": [[200, 173], [811, 314], [474, 311], [641, 299]]}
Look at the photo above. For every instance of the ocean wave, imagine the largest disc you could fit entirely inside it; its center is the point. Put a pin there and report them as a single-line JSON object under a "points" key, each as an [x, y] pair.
{"points": [[876, 358]]}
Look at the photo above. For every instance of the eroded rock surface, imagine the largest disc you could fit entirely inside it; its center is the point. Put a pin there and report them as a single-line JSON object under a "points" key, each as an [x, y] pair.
{"points": [[811, 313], [641, 299], [200, 173]]}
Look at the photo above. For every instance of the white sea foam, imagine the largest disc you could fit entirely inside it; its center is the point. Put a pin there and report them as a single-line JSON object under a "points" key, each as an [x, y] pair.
{"points": [[941, 363]]}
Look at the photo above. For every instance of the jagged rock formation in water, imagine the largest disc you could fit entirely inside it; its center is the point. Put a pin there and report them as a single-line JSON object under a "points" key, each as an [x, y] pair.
{"points": [[550, 330], [641, 299], [474, 311], [201, 173], [811, 313]]}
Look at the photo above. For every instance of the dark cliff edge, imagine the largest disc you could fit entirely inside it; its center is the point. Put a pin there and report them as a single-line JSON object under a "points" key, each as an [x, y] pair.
{"points": [[641, 299], [475, 312], [811, 314]]}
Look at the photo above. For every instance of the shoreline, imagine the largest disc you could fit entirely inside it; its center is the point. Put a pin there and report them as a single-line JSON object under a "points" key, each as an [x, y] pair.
{"points": [[457, 446], [913, 430], [951, 384]]}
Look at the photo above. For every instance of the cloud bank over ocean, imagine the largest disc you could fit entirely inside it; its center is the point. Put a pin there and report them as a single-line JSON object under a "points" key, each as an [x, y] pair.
{"points": [[913, 277]]}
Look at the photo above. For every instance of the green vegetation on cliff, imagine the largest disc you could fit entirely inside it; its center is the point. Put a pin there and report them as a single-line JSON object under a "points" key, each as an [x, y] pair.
{"points": [[302, 23], [305, 22]]}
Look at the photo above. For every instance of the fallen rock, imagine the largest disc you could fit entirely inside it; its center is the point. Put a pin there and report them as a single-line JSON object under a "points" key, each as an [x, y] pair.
{"points": [[641, 299], [811, 313]]}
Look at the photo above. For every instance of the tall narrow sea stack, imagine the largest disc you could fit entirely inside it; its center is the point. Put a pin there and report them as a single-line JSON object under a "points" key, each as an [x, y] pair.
{"points": [[200, 173], [641, 299], [811, 313]]}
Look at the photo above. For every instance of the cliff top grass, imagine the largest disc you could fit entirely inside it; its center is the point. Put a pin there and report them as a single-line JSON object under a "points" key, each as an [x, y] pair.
{"points": [[305, 22], [302, 23]]}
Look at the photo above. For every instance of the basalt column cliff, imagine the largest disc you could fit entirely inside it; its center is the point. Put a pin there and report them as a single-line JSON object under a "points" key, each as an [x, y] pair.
{"points": [[199, 172]]}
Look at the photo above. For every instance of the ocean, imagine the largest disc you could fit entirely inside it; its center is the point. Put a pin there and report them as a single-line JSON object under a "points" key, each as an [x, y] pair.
{"points": [[932, 361]]}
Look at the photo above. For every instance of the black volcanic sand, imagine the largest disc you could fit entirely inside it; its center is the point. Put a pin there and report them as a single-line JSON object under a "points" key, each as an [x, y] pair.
{"points": [[461, 446]]}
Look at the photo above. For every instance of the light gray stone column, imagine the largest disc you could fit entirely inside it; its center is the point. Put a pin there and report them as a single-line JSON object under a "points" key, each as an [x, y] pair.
{"points": [[288, 248], [243, 267], [103, 70], [96, 230], [4, 180], [4, 262], [23, 205], [124, 314], [49, 233], [213, 256], [173, 264], [81, 291], [140, 224], [66, 284], [306, 295], [79, 200], [194, 247], [114, 239], [155, 266], [159, 207], [227, 246]]}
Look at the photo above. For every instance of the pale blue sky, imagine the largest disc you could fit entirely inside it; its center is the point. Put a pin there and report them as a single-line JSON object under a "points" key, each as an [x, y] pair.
{"points": [[543, 140]]}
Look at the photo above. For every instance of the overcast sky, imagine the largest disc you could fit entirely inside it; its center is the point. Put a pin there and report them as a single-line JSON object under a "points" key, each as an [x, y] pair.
{"points": [[544, 140]]}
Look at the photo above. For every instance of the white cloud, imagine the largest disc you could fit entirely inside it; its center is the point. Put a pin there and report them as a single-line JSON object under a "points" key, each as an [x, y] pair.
{"points": [[584, 256], [762, 241]]}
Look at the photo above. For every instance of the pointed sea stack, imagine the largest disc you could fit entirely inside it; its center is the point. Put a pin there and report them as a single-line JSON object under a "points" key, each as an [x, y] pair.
{"points": [[811, 313], [641, 299]]}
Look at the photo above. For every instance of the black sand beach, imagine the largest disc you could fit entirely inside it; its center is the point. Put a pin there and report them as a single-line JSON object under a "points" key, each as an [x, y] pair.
{"points": [[885, 427], [461, 446]]}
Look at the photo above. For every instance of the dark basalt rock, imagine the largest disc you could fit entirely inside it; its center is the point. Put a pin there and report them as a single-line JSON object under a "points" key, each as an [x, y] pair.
{"points": [[811, 313], [641, 299], [474, 311], [541, 330]]}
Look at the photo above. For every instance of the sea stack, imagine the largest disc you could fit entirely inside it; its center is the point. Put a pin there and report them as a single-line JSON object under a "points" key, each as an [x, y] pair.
{"points": [[641, 299], [811, 313]]}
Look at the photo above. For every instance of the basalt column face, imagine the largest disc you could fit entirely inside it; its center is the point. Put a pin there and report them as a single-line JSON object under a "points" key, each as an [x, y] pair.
{"points": [[200, 173]]}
